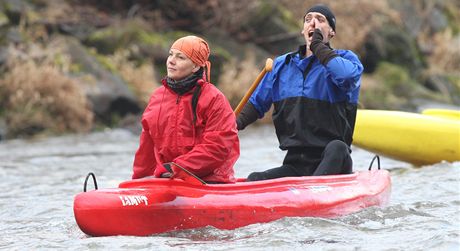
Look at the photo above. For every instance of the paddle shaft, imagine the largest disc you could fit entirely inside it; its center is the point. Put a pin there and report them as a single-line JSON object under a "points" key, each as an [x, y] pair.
{"points": [[267, 68], [169, 169]]}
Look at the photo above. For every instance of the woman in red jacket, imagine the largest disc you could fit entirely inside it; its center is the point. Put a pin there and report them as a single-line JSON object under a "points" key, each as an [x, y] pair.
{"points": [[188, 122]]}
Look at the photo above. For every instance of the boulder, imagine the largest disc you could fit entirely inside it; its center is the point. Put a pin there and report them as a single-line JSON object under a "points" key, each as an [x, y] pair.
{"points": [[14, 10], [391, 44], [443, 85], [3, 129], [272, 28], [107, 92]]}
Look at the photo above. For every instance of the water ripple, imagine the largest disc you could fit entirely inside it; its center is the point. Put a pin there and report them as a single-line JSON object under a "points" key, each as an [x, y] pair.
{"points": [[40, 179]]}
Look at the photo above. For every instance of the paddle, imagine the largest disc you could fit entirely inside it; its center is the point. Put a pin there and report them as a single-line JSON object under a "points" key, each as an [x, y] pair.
{"points": [[184, 174], [267, 68]]}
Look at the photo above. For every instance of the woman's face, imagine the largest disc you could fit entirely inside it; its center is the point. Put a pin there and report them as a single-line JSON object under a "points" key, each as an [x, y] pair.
{"points": [[179, 66]]}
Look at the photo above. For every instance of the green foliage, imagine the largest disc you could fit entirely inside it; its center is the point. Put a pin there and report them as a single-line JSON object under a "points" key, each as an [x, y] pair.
{"points": [[221, 52], [111, 39], [59, 60], [105, 62], [150, 38], [393, 89], [274, 17], [3, 19], [374, 98], [455, 91], [289, 19], [396, 79], [455, 80], [11, 11], [108, 40], [163, 40], [265, 10], [75, 68], [453, 18]]}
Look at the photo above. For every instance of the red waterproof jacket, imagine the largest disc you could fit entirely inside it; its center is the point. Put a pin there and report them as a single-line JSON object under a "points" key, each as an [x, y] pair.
{"points": [[209, 148]]}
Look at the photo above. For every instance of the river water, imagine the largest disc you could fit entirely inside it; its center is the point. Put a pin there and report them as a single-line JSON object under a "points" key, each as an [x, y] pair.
{"points": [[40, 178]]}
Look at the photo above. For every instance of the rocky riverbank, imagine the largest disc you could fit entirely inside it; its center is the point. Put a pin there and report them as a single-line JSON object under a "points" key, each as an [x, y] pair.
{"points": [[79, 65]]}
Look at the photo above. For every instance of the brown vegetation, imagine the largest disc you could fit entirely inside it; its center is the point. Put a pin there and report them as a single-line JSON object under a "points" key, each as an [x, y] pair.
{"points": [[45, 89], [36, 97], [141, 78], [237, 78]]}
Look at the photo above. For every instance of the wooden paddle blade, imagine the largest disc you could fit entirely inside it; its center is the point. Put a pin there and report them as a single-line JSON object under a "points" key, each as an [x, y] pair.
{"points": [[244, 100], [268, 65]]}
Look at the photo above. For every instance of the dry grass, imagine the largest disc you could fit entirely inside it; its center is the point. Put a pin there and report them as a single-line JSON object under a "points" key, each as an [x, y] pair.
{"points": [[238, 77], [445, 56], [442, 48], [235, 81], [142, 78], [36, 96]]}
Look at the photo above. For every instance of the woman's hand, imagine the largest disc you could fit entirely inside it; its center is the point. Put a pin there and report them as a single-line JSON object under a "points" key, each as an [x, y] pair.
{"points": [[162, 172]]}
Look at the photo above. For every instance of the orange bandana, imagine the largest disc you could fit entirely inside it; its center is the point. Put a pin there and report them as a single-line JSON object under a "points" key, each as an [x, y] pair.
{"points": [[196, 49]]}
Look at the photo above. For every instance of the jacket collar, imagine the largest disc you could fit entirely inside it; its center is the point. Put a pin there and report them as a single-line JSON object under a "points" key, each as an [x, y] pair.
{"points": [[301, 51]]}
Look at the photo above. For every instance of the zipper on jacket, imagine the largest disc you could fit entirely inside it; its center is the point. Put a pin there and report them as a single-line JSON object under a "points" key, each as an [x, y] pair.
{"points": [[175, 147], [308, 68]]}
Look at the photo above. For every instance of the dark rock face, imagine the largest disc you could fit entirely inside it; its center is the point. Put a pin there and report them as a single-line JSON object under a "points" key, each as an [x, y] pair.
{"points": [[441, 84], [109, 94], [3, 130], [14, 9], [391, 44]]}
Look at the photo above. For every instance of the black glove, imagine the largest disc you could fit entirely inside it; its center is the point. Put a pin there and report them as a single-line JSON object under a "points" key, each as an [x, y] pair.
{"points": [[168, 167], [247, 116], [323, 52], [164, 171]]}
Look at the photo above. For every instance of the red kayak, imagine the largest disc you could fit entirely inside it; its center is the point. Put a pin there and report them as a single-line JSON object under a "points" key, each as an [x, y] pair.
{"points": [[150, 206]]}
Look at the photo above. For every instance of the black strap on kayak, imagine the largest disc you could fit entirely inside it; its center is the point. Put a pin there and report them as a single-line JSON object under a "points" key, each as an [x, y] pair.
{"points": [[86, 181], [372, 162]]}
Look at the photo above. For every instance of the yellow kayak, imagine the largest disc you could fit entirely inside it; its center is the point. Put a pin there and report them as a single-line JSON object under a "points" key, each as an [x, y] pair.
{"points": [[420, 139], [443, 113]]}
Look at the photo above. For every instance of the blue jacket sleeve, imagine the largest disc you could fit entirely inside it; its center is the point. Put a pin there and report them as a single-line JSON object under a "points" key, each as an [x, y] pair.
{"points": [[345, 70], [262, 98]]}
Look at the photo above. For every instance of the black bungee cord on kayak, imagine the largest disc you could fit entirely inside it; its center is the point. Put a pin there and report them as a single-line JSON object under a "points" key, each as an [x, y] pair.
{"points": [[372, 162], [86, 181]]}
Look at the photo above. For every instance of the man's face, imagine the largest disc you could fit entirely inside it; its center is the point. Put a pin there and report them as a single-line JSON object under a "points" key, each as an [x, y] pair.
{"points": [[316, 20]]}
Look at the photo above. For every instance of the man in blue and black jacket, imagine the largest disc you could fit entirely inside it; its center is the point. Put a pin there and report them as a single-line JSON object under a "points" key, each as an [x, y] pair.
{"points": [[315, 94]]}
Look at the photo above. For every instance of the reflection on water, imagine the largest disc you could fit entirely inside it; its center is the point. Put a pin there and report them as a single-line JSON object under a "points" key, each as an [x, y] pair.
{"points": [[40, 179]]}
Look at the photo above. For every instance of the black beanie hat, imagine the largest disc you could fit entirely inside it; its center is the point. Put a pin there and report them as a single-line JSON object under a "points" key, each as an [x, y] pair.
{"points": [[323, 9]]}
